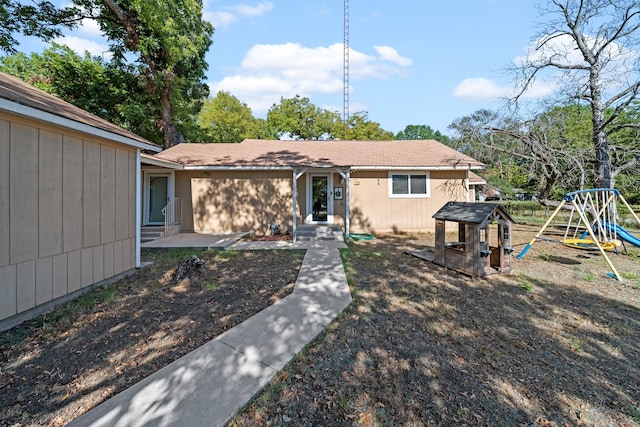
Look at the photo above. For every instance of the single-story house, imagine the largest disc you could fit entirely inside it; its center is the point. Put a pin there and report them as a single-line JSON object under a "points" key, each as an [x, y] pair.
{"points": [[362, 186], [69, 189]]}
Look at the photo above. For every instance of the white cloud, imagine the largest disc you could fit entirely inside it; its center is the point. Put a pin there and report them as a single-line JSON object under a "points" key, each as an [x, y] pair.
{"points": [[480, 88], [269, 72], [228, 15], [80, 45], [387, 53]]}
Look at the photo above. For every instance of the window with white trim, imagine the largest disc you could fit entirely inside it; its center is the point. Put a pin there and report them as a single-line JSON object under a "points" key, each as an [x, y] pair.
{"points": [[404, 184]]}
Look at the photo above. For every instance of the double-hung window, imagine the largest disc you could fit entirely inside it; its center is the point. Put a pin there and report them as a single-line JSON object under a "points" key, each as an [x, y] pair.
{"points": [[405, 184]]}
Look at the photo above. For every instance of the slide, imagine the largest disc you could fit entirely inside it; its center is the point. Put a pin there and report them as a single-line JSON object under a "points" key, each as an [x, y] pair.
{"points": [[624, 234]]}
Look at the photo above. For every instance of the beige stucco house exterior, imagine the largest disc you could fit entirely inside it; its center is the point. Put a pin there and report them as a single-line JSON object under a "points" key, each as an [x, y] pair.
{"points": [[69, 189], [363, 186]]}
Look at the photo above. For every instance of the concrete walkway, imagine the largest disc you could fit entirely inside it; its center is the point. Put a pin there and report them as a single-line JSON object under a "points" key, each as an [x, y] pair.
{"points": [[209, 385]]}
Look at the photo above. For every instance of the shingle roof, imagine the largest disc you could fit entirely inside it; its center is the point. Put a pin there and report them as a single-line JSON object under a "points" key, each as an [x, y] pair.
{"points": [[476, 179], [17, 91], [475, 213], [373, 154]]}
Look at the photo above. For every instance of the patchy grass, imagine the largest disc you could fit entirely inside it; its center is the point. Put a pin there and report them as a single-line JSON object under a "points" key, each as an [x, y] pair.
{"points": [[424, 346]]}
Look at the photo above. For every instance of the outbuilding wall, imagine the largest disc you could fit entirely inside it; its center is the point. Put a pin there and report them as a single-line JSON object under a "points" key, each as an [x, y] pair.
{"points": [[67, 213]]}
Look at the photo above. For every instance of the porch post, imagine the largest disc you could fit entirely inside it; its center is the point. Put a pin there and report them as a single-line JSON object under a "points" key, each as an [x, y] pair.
{"points": [[347, 217], [295, 201], [296, 175]]}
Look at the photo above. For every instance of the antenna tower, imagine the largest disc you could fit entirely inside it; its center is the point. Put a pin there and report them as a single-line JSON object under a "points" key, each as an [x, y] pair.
{"points": [[345, 75]]}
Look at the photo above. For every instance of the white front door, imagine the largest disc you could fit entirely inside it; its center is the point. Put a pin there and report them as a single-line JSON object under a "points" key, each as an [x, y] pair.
{"points": [[319, 199], [157, 195]]}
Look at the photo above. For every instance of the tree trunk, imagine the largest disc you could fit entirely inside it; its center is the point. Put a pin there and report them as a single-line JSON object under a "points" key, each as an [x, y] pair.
{"points": [[167, 126], [604, 178]]}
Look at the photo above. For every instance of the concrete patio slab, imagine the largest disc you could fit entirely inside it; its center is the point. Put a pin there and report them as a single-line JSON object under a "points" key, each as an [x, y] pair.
{"points": [[195, 240]]}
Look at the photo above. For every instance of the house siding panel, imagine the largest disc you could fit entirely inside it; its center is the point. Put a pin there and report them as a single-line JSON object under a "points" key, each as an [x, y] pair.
{"points": [[67, 213], [72, 182], [86, 264], [132, 196], [44, 280], [122, 194], [74, 271], [373, 210], [107, 194], [118, 265], [98, 263], [60, 275], [108, 260], [23, 197], [8, 287], [50, 194], [91, 195], [240, 201], [5, 175], [26, 285]]}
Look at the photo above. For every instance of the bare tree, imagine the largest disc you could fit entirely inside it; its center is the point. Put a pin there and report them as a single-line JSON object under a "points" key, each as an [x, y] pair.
{"points": [[591, 51]]}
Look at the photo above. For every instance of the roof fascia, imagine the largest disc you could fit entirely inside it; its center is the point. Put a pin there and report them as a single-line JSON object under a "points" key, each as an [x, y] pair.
{"points": [[417, 168], [34, 113], [154, 161]]}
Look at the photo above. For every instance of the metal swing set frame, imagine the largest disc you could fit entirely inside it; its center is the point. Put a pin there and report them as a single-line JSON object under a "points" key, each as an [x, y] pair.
{"points": [[601, 205]]}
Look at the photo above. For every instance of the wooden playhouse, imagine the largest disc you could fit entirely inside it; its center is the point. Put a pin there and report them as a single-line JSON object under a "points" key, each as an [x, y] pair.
{"points": [[480, 244]]}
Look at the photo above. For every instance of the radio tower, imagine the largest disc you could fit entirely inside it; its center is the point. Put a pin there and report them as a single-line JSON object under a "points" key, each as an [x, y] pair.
{"points": [[345, 75]]}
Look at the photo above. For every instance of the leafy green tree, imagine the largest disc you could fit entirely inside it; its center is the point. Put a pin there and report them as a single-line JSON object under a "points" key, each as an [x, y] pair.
{"points": [[168, 41], [37, 18], [297, 118], [590, 47], [225, 118], [363, 129], [115, 93], [421, 132]]}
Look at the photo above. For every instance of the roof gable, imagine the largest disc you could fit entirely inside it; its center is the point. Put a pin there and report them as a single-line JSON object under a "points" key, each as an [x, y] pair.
{"points": [[286, 154], [475, 213], [21, 94]]}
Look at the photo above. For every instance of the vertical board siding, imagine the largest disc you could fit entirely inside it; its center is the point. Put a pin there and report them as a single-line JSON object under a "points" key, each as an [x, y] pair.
{"points": [[67, 213], [107, 194], [74, 271], [50, 194], [72, 188], [91, 195], [8, 288], [26, 285], [23, 198], [122, 194], [5, 179], [44, 280], [60, 273]]}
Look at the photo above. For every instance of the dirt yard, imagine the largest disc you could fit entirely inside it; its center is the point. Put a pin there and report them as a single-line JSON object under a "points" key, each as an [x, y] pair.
{"points": [[57, 367], [554, 343]]}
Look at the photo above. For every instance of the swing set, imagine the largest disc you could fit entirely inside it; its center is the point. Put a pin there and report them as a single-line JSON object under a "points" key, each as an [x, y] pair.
{"points": [[592, 224]]}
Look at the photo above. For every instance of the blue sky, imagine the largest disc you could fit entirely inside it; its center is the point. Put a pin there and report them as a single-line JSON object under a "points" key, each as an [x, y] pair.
{"points": [[422, 62]]}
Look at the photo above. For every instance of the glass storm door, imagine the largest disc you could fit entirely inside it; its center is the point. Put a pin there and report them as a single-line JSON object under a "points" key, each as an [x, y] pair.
{"points": [[158, 198], [320, 198]]}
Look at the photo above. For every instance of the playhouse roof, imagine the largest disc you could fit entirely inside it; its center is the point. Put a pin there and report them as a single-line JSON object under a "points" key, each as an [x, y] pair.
{"points": [[475, 213]]}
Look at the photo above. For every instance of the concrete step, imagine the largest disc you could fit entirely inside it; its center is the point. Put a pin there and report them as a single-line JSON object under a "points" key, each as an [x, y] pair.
{"points": [[151, 233], [319, 232]]}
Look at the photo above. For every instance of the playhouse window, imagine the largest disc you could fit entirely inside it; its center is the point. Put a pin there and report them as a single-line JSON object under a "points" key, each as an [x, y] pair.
{"points": [[408, 185]]}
